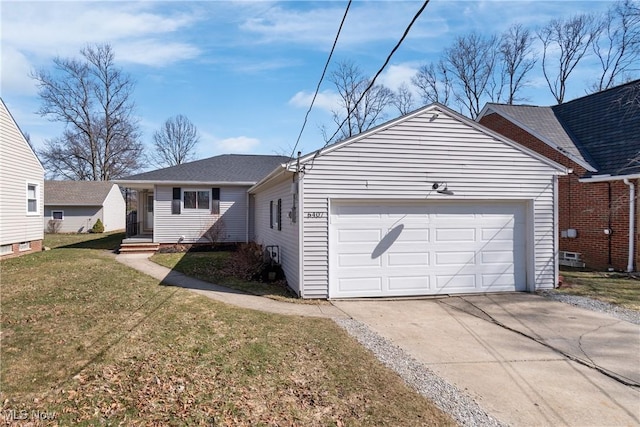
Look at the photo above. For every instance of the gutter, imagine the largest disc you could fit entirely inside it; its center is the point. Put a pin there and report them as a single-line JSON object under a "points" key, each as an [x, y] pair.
{"points": [[632, 218]]}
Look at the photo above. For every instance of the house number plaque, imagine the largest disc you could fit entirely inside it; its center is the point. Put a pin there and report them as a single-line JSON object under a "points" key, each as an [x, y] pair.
{"points": [[316, 214]]}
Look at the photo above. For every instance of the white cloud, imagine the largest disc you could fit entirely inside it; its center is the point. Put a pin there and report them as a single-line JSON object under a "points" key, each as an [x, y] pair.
{"points": [[41, 30], [395, 75], [326, 100], [155, 53], [240, 144], [14, 72]]}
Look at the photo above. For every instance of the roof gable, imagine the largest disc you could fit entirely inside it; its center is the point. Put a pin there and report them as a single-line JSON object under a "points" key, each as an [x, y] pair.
{"points": [[18, 134], [434, 110], [76, 193], [231, 168]]}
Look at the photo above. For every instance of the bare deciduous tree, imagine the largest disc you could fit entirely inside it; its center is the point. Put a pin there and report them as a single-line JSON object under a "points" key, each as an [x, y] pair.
{"points": [[433, 83], [92, 97], [403, 99], [516, 59], [571, 38], [175, 142], [351, 85], [618, 46], [471, 62]]}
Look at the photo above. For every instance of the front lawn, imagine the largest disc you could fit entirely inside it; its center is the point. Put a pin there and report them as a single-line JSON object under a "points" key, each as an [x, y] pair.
{"points": [[615, 288], [110, 241], [207, 266], [90, 341]]}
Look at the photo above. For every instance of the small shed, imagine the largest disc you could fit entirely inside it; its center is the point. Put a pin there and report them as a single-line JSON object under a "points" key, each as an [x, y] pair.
{"points": [[75, 206]]}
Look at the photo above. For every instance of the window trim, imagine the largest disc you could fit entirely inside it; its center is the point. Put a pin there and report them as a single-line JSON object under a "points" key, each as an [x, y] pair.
{"points": [[196, 190], [57, 219], [37, 199]]}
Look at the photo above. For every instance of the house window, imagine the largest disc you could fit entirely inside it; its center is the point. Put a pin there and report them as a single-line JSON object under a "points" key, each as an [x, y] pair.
{"points": [[32, 199], [196, 199], [6, 249], [215, 201], [275, 214], [57, 215], [25, 246]]}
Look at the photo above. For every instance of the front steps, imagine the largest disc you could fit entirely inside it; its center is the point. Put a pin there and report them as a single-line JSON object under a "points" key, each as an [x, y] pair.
{"points": [[138, 245]]}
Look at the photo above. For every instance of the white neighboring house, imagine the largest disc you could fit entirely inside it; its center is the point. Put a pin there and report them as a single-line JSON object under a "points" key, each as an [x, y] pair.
{"points": [[21, 191], [430, 203], [76, 206]]}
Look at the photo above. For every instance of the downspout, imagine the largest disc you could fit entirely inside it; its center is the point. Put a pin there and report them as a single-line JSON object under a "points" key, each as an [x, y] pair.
{"points": [[632, 222]]}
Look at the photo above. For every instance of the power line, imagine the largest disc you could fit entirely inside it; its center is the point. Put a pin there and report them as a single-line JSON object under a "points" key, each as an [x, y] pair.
{"points": [[372, 82], [324, 71]]}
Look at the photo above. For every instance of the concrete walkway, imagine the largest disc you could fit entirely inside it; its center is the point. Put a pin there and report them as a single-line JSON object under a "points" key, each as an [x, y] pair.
{"points": [[526, 360], [141, 262]]}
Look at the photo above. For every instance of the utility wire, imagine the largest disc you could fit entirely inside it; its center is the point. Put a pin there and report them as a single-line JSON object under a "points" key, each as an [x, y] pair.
{"points": [[324, 71], [372, 82]]}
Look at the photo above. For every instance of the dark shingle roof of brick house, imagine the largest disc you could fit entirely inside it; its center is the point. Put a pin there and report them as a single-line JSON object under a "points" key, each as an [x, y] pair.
{"points": [[601, 129], [76, 193], [607, 126], [225, 168]]}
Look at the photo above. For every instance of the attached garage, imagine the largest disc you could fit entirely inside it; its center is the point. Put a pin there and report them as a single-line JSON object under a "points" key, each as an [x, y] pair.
{"points": [[430, 203], [382, 249]]}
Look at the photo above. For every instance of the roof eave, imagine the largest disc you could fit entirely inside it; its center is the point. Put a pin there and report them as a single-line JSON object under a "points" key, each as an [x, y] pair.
{"points": [[125, 182], [280, 169], [609, 178]]}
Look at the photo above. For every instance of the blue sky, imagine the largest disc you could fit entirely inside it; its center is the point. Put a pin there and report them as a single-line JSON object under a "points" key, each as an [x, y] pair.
{"points": [[244, 72]]}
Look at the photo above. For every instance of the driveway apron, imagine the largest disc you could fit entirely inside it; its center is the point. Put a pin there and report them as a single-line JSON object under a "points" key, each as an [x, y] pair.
{"points": [[526, 360]]}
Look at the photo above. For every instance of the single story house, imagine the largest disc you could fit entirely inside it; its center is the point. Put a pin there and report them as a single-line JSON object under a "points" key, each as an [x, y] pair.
{"points": [[196, 202], [596, 137], [21, 191], [430, 203], [75, 206]]}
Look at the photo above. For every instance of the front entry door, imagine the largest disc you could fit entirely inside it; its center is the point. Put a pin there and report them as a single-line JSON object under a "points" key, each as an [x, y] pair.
{"points": [[147, 223]]}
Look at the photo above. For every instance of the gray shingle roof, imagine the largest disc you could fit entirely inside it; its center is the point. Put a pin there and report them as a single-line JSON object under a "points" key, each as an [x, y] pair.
{"points": [[602, 129], [76, 193], [225, 168]]}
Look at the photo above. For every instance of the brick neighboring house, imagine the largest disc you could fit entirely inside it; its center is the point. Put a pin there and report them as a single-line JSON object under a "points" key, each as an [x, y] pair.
{"points": [[598, 137]]}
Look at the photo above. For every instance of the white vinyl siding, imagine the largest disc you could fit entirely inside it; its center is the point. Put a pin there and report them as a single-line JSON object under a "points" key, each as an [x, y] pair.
{"points": [[287, 237], [403, 161], [18, 167], [193, 223], [77, 219], [114, 210]]}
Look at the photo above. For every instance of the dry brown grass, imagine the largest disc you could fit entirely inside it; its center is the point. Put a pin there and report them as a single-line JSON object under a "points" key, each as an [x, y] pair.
{"points": [[98, 343], [615, 288]]}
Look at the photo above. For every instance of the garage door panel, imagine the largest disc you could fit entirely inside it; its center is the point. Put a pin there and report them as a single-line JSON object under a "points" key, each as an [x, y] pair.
{"points": [[455, 235], [408, 259], [455, 258], [410, 283], [359, 235], [456, 282], [361, 285], [358, 260], [493, 234], [426, 249]]}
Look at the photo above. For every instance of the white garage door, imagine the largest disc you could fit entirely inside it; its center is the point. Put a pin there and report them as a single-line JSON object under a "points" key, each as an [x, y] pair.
{"points": [[426, 249]]}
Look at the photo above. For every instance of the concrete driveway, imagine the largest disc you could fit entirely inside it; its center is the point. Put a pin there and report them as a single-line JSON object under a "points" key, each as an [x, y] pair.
{"points": [[526, 360]]}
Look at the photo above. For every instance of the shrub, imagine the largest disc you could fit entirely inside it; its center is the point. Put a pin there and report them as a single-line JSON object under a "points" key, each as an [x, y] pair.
{"points": [[245, 263], [54, 225], [98, 227]]}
